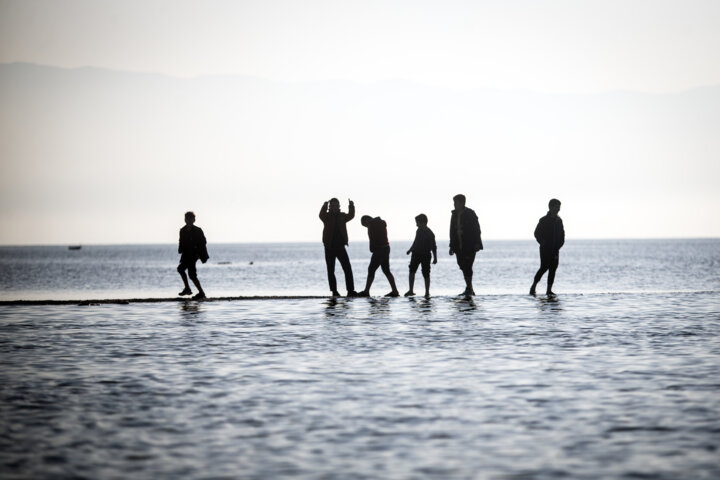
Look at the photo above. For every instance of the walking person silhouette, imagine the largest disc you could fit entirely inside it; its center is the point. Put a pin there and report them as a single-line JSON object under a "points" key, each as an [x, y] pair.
{"points": [[191, 247], [550, 234], [380, 248], [421, 249], [335, 238], [465, 240]]}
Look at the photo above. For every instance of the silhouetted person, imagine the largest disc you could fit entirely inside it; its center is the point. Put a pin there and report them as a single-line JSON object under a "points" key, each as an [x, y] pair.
{"points": [[465, 240], [192, 247], [335, 238], [550, 234], [380, 248], [421, 249]]}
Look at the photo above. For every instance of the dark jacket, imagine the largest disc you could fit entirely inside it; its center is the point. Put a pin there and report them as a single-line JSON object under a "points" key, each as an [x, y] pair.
{"points": [[192, 243], [550, 233], [334, 225], [424, 242], [377, 234], [465, 235]]}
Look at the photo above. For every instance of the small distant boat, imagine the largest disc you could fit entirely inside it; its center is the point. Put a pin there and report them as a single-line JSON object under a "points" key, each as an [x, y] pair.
{"points": [[74, 247]]}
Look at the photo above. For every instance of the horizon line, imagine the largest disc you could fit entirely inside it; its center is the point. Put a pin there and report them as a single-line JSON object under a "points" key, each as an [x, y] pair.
{"points": [[201, 76], [275, 242]]}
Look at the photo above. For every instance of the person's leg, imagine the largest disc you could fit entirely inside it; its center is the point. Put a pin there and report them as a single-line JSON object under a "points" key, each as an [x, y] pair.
{"points": [[426, 274], [411, 284], [192, 273], [342, 256], [374, 264], [330, 264], [467, 269], [544, 265], [411, 279], [181, 270], [553, 265], [385, 265], [461, 265]]}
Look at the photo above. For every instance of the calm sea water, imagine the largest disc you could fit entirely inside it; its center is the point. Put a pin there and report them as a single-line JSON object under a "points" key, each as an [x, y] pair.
{"points": [[616, 377], [299, 269]]}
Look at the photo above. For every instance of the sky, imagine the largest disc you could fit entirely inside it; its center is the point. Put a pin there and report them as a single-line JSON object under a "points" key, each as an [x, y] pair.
{"points": [[252, 113]]}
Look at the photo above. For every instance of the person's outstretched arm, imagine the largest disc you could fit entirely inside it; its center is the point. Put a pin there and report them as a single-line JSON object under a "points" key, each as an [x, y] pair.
{"points": [[412, 247], [323, 211], [351, 210]]}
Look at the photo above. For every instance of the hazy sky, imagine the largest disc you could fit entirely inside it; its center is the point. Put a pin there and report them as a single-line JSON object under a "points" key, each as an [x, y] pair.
{"points": [[559, 46], [572, 49]]}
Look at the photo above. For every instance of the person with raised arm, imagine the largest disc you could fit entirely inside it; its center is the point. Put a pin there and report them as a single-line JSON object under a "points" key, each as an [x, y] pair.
{"points": [[335, 239]]}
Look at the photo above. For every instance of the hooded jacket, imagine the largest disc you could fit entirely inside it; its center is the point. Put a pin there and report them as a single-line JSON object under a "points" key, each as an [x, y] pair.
{"points": [[377, 234], [334, 225], [192, 243], [550, 233], [465, 231]]}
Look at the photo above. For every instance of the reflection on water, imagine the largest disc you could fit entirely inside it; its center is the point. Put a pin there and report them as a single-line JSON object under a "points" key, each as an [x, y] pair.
{"points": [[625, 386], [191, 310], [337, 307], [190, 307], [423, 306], [379, 306], [549, 304], [464, 304]]}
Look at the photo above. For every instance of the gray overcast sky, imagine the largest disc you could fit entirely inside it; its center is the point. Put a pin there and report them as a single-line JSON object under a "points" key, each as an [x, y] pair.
{"points": [[559, 46], [575, 50]]}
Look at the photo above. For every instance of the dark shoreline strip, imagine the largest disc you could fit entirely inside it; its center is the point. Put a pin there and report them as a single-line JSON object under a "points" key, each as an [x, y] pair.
{"points": [[126, 301]]}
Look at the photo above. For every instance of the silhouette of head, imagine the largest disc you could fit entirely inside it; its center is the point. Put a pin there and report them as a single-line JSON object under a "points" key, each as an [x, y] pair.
{"points": [[554, 205], [334, 205], [189, 218], [459, 201], [421, 220], [365, 220]]}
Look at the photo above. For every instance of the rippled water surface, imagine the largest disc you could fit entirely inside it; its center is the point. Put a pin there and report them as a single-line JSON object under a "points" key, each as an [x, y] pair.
{"points": [[504, 267], [592, 385]]}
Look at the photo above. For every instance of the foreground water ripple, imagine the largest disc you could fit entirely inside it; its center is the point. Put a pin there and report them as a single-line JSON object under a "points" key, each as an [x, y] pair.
{"points": [[503, 386]]}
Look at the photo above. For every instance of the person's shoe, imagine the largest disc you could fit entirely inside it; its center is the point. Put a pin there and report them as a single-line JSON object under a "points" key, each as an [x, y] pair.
{"points": [[427, 294], [550, 293], [394, 293], [409, 293], [335, 293], [199, 296], [532, 290], [363, 293], [186, 291], [352, 293]]}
